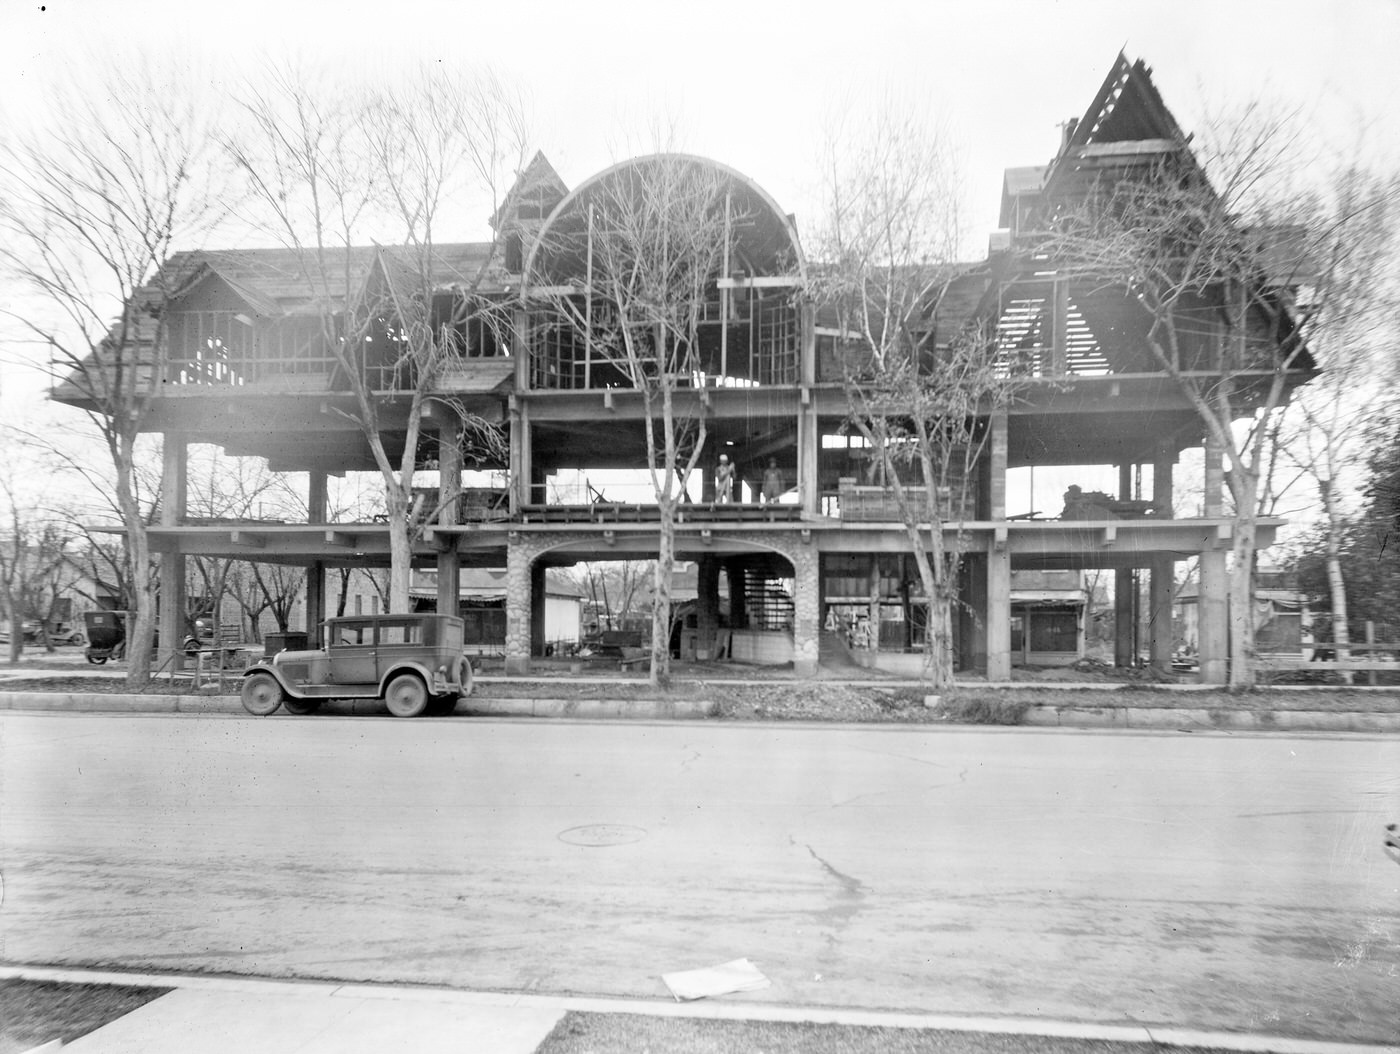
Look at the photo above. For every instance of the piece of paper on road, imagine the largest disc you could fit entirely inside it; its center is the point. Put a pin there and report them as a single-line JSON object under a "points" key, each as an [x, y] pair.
{"points": [[737, 976]]}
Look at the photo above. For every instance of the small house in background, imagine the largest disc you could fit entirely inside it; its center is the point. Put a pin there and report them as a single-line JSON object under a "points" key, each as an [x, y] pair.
{"points": [[1048, 617], [1282, 619], [482, 608]]}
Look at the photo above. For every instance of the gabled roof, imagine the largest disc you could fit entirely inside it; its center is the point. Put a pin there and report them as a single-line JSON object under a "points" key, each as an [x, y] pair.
{"points": [[206, 273], [274, 283], [1126, 126], [537, 182]]}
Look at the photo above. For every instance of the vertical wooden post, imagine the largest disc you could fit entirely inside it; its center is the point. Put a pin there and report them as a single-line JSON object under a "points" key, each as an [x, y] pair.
{"points": [[519, 418], [808, 424], [588, 309], [1059, 348], [1370, 652], [724, 295]]}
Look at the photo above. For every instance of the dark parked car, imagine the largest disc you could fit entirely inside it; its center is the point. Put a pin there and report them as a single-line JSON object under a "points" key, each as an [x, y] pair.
{"points": [[415, 663]]}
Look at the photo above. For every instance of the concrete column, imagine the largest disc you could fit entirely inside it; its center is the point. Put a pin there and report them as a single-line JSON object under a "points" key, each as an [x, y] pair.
{"points": [[518, 606], [449, 575], [706, 607], [973, 618], [521, 463], [172, 606], [1213, 603], [316, 609], [1124, 616], [1124, 590], [998, 612], [1160, 592]]}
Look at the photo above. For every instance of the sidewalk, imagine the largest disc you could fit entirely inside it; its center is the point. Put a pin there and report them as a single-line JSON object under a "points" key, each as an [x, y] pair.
{"points": [[229, 1015]]}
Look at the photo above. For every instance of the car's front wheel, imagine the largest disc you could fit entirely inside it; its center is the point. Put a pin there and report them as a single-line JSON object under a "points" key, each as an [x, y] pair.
{"points": [[406, 695], [261, 694]]}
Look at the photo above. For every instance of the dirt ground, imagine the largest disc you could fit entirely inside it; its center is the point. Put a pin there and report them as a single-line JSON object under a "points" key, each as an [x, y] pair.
{"points": [[742, 692]]}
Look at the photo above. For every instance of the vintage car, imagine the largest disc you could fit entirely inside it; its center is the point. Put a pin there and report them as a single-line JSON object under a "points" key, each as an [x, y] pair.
{"points": [[415, 663]]}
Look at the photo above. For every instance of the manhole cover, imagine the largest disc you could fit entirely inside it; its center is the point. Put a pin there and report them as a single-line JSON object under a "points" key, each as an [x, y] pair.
{"points": [[603, 834]]}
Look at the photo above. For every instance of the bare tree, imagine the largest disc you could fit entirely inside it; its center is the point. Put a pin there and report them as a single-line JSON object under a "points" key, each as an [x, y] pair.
{"points": [[920, 397], [226, 489], [1232, 284], [646, 247], [94, 203], [37, 564], [1352, 331], [324, 168]]}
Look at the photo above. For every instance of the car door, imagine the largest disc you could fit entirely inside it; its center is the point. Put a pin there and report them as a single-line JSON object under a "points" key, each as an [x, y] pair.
{"points": [[350, 644], [399, 640]]}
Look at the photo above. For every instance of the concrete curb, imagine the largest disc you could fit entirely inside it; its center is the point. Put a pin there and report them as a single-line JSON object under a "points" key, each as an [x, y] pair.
{"points": [[1190, 718], [711, 1010], [1041, 715]]}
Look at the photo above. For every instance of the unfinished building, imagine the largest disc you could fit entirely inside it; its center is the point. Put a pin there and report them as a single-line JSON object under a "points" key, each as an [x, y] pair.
{"points": [[817, 566]]}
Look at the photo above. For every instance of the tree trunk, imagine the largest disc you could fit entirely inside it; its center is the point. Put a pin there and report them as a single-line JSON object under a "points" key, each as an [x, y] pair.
{"points": [[1336, 583], [661, 598], [400, 550], [16, 632], [141, 639]]}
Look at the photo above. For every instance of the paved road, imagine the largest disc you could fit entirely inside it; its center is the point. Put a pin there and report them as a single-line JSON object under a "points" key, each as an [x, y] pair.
{"points": [[1214, 881]]}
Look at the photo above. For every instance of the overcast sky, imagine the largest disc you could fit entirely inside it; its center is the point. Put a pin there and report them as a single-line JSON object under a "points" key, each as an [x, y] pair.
{"points": [[752, 84]]}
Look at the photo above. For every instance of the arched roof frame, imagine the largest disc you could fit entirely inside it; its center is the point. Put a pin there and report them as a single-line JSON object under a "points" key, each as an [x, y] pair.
{"points": [[781, 220]]}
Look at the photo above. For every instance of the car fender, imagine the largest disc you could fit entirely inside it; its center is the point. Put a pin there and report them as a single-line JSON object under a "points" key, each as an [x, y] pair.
{"points": [[435, 684], [267, 667]]}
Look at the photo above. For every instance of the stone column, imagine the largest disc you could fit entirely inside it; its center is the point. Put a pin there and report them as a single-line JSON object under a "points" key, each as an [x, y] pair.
{"points": [[449, 575], [1163, 567], [807, 604], [1213, 612], [316, 570], [998, 614], [519, 557], [172, 605]]}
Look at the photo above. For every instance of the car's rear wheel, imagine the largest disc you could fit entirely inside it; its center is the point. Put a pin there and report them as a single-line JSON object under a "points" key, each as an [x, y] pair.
{"points": [[464, 676], [406, 695], [301, 707], [261, 694]]}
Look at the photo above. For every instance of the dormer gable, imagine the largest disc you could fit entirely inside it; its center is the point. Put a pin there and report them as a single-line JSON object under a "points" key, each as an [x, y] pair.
{"points": [[534, 195]]}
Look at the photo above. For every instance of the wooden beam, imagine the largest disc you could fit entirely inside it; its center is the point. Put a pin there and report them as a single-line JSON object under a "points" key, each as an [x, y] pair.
{"points": [[252, 541], [539, 292], [773, 281], [340, 539]]}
